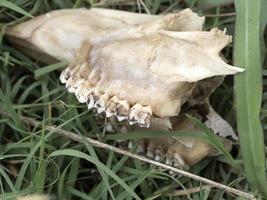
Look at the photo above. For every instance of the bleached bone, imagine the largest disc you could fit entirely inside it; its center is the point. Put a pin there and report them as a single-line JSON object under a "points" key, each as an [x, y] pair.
{"points": [[61, 33], [219, 125], [154, 62], [162, 76]]}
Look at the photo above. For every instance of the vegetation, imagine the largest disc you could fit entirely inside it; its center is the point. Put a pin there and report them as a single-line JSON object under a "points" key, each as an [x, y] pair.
{"points": [[39, 160]]}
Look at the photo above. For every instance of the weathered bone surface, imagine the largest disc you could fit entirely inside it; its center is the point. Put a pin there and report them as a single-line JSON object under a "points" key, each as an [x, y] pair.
{"points": [[156, 59], [136, 67], [159, 70], [61, 33]]}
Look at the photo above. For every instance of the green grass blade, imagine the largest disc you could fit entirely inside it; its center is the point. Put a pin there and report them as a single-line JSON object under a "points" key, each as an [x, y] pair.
{"points": [[138, 181], [8, 106], [248, 91], [106, 184], [14, 7], [78, 193], [70, 152], [40, 176], [7, 179], [44, 70]]}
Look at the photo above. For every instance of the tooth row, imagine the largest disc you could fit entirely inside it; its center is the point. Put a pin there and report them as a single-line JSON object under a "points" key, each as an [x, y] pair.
{"points": [[114, 106], [68, 73]]}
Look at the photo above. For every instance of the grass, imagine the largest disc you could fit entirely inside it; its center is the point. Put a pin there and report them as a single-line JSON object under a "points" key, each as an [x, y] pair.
{"points": [[34, 160], [249, 92]]}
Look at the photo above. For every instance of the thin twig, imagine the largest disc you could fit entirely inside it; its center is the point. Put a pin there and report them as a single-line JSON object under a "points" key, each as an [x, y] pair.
{"points": [[83, 139]]}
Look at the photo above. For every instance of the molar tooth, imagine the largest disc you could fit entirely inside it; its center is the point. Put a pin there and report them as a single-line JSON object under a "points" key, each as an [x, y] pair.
{"points": [[96, 96], [92, 98], [133, 114], [122, 109], [101, 103], [77, 84], [69, 85], [111, 106], [64, 76], [144, 117], [82, 92], [90, 101], [73, 83], [68, 73], [140, 114]]}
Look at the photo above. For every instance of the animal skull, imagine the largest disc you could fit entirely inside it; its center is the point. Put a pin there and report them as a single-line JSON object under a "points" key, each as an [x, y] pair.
{"points": [[133, 66]]}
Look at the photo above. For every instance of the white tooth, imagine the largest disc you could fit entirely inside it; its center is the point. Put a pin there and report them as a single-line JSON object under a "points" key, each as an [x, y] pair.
{"points": [[90, 101], [144, 120], [111, 106], [122, 109], [93, 98], [132, 122], [78, 83], [96, 96], [78, 92], [100, 110], [109, 114], [72, 84], [82, 92], [133, 114], [68, 73], [121, 118], [64, 76], [69, 85], [144, 116], [140, 114], [101, 103]]}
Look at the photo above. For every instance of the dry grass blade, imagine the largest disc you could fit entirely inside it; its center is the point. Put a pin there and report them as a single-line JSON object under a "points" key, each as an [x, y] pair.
{"points": [[189, 191], [96, 143]]}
